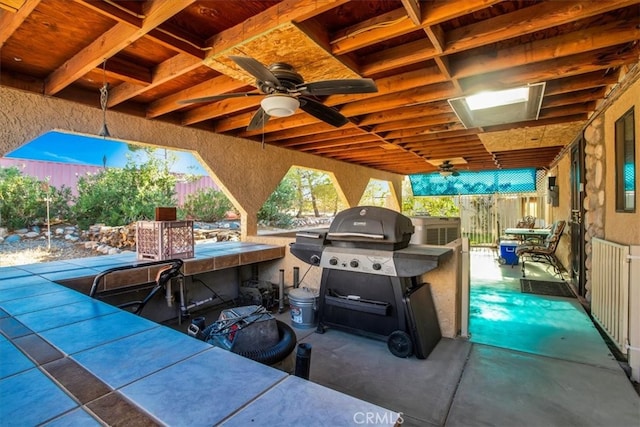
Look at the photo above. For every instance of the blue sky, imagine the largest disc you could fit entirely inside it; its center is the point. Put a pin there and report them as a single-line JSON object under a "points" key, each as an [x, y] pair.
{"points": [[78, 149]]}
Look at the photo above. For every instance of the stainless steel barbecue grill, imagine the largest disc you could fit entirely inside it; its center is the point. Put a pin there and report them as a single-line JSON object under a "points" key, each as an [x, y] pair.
{"points": [[371, 278]]}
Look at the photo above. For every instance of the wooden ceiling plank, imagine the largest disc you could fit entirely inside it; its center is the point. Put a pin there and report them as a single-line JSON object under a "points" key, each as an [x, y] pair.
{"points": [[436, 36], [276, 124], [389, 59], [601, 59], [112, 11], [300, 136], [527, 20], [219, 109], [422, 141], [172, 41], [10, 22], [398, 83], [540, 122], [567, 110], [110, 43], [591, 80], [585, 40], [11, 5], [401, 114], [412, 7], [215, 86], [357, 145], [173, 67], [372, 31], [582, 96], [127, 71], [430, 93], [416, 122], [441, 11], [286, 11]]}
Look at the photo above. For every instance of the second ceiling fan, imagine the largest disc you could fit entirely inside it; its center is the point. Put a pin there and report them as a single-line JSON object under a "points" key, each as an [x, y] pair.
{"points": [[284, 91]]}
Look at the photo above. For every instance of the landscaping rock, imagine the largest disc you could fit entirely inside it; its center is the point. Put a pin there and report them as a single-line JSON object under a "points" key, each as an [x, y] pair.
{"points": [[32, 235], [12, 238]]}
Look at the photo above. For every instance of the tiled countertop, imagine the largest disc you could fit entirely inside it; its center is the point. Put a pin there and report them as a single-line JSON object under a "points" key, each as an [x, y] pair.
{"points": [[68, 359]]}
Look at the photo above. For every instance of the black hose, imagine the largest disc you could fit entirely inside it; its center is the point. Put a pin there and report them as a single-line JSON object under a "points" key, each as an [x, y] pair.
{"points": [[279, 351]]}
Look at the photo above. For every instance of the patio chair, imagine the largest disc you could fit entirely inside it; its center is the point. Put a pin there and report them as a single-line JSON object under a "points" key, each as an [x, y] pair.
{"points": [[544, 252], [527, 222]]}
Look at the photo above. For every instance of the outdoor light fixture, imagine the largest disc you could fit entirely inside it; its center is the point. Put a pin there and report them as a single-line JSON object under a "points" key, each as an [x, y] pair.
{"points": [[499, 107], [280, 105], [104, 97]]}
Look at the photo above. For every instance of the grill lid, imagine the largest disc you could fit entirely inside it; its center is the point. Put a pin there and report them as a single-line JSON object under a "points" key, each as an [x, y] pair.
{"points": [[371, 227]]}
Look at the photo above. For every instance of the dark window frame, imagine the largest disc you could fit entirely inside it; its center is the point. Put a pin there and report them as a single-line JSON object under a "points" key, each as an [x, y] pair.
{"points": [[625, 152]]}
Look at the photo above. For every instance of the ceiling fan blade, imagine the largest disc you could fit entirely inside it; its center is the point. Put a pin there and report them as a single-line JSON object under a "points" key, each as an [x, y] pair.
{"points": [[322, 112], [219, 97], [455, 173], [258, 120], [342, 86], [256, 69]]}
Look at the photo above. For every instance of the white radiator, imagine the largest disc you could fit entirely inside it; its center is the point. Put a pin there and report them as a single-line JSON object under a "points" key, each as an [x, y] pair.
{"points": [[615, 281]]}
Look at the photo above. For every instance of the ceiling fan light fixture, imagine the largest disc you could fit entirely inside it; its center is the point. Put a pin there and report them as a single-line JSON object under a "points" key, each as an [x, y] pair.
{"points": [[280, 105], [446, 173]]}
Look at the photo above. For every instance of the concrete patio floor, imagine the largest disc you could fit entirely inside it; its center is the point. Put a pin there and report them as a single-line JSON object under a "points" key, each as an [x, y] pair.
{"points": [[531, 360]]}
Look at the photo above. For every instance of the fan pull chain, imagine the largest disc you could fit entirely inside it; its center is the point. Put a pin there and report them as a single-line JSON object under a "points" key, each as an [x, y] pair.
{"points": [[263, 120]]}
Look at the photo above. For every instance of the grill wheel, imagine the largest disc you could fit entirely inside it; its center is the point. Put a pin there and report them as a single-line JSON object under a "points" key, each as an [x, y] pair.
{"points": [[400, 344]]}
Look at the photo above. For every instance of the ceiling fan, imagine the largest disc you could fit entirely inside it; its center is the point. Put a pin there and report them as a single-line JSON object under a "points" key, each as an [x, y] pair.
{"points": [[446, 169], [284, 90]]}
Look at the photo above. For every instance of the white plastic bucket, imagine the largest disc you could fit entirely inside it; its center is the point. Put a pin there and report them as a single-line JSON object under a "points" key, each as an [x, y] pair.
{"points": [[303, 304]]}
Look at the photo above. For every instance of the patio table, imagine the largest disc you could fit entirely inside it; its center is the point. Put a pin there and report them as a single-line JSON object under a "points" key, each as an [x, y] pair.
{"points": [[528, 233]]}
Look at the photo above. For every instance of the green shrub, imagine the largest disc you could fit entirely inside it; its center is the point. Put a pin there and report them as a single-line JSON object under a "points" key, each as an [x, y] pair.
{"points": [[23, 200], [282, 200], [208, 205], [122, 196]]}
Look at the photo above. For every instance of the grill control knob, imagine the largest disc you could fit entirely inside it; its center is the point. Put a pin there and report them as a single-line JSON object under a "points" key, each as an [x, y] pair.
{"points": [[376, 266], [354, 263], [333, 261]]}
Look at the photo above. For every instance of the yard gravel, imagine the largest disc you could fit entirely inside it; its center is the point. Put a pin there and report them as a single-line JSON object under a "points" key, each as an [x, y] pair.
{"points": [[27, 251]]}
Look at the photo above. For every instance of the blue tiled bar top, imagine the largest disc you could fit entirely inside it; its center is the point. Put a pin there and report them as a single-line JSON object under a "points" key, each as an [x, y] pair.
{"points": [[68, 359], [232, 254]]}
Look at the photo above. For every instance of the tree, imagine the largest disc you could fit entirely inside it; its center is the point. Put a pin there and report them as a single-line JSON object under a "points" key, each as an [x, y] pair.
{"points": [[121, 196], [432, 205], [275, 210]]}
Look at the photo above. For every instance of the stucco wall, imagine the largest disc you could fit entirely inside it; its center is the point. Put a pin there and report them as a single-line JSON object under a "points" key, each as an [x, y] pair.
{"points": [[246, 172]]}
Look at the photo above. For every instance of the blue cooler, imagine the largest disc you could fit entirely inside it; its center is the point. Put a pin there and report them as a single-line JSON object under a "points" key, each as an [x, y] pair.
{"points": [[508, 253]]}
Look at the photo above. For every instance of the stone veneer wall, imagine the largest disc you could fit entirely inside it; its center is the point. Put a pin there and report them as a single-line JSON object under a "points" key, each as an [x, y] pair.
{"points": [[594, 202], [601, 218]]}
